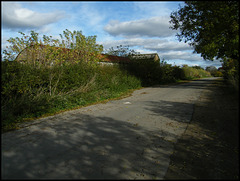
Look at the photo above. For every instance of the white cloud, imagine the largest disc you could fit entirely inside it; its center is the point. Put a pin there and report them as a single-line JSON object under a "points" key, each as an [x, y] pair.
{"points": [[182, 55], [167, 46], [159, 45], [187, 57], [143, 51], [127, 42], [90, 15], [14, 16], [151, 27]]}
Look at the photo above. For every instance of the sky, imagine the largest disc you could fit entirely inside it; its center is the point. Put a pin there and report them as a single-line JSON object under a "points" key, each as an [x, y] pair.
{"points": [[143, 26]]}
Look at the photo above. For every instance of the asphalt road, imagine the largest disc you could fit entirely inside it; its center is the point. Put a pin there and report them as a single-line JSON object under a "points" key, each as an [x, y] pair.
{"points": [[131, 138]]}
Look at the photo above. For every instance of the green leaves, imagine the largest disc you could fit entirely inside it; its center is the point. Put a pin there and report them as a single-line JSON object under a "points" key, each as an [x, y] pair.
{"points": [[29, 91], [72, 48], [211, 28], [83, 48], [122, 51]]}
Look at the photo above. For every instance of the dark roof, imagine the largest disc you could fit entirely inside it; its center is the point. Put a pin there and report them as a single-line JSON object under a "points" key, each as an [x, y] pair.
{"points": [[145, 56], [114, 59], [104, 57], [40, 46]]}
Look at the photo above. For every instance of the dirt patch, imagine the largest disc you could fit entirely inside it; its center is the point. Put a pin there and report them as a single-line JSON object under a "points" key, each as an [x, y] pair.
{"points": [[209, 148]]}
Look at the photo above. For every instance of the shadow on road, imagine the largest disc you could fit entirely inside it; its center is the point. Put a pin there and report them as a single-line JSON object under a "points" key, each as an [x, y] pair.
{"points": [[85, 147], [80, 146], [209, 149], [177, 111]]}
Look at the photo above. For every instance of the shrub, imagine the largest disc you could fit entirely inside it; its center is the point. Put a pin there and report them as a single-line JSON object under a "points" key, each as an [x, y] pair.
{"points": [[231, 72], [30, 92], [190, 73], [218, 74]]}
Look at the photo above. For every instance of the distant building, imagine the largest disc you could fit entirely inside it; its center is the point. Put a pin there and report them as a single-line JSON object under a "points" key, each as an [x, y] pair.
{"points": [[112, 59], [42, 54], [151, 57], [47, 55]]}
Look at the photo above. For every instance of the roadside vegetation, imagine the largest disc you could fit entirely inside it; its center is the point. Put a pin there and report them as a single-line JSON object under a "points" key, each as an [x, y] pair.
{"points": [[33, 88], [212, 29]]}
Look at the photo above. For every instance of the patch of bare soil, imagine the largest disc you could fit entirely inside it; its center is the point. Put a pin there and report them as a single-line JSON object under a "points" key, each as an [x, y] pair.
{"points": [[209, 148]]}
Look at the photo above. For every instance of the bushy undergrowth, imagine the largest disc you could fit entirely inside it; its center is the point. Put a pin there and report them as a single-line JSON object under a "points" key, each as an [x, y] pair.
{"points": [[151, 73], [190, 73], [231, 72], [30, 92]]}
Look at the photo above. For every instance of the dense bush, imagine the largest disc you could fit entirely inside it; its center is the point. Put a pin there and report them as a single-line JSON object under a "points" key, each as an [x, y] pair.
{"points": [[28, 91], [231, 72], [191, 72], [150, 72]]}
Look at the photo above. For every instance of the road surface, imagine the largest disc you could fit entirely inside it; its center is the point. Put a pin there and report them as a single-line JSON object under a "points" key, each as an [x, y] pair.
{"points": [[131, 138]]}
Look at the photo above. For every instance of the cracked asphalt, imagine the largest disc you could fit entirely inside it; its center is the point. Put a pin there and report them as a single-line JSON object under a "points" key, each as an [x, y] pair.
{"points": [[131, 138]]}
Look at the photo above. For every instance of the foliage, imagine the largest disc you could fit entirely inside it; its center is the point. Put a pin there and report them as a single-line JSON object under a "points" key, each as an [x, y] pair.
{"points": [[231, 72], [218, 74], [72, 48], [212, 69], [197, 67], [18, 44], [212, 28], [84, 47], [153, 72], [122, 51], [147, 71], [191, 72], [30, 92]]}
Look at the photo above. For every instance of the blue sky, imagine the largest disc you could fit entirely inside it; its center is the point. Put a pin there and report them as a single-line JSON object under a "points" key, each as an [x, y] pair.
{"points": [[144, 26]]}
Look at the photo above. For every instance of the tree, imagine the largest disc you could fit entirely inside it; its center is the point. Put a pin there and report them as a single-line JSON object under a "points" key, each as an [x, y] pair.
{"points": [[197, 67], [73, 47], [212, 70], [212, 28], [121, 51], [84, 48], [18, 44]]}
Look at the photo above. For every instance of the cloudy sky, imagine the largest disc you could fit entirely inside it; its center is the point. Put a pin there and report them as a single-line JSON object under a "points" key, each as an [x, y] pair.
{"points": [[144, 26]]}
